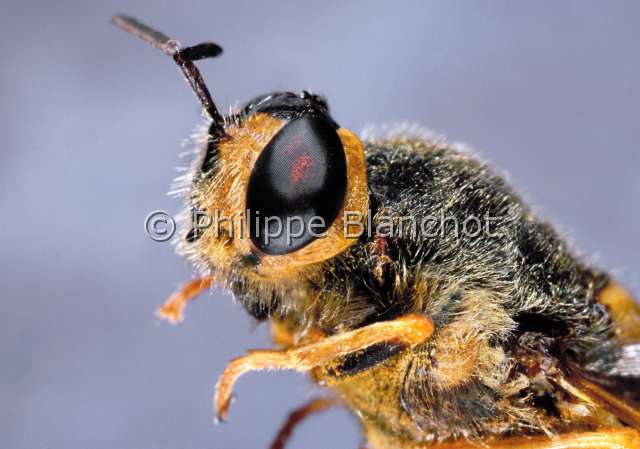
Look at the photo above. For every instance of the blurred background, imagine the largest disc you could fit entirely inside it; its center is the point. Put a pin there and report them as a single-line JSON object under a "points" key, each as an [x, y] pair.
{"points": [[91, 125]]}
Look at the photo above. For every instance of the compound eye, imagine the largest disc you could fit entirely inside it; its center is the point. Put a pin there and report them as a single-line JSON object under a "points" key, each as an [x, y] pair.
{"points": [[297, 186]]}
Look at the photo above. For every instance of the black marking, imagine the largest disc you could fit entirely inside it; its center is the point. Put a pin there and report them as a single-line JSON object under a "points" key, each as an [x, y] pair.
{"points": [[544, 324], [249, 260], [547, 403], [367, 358]]}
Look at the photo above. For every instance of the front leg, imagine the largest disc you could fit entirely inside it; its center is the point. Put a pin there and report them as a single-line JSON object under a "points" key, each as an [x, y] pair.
{"points": [[173, 308], [407, 331]]}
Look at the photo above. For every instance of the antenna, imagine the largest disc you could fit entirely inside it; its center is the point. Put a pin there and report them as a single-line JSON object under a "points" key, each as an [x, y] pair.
{"points": [[184, 57]]}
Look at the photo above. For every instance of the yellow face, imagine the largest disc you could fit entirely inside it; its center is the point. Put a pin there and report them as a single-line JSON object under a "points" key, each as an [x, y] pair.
{"points": [[226, 244]]}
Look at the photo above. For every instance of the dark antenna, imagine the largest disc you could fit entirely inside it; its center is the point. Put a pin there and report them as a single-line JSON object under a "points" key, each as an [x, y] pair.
{"points": [[184, 57]]}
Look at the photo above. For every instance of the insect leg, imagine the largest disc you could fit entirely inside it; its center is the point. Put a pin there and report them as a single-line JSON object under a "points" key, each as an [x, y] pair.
{"points": [[316, 405], [594, 394], [174, 306], [409, 331], [360, 361]]}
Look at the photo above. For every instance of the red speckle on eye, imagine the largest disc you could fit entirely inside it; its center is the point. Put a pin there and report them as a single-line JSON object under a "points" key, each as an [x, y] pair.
{"points": [[300, 168], [293, 146]]}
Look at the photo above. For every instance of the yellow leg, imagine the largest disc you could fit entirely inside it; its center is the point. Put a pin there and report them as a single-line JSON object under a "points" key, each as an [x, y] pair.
{"points": [[409, 331], [174, 306]]}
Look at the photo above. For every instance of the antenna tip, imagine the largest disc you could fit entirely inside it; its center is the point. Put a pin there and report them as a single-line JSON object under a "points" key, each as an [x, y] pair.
{"points": [[201, 51]]}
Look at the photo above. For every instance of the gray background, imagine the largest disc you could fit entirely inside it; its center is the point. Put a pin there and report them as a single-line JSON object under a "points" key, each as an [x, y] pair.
{"points": [[91, 122]]}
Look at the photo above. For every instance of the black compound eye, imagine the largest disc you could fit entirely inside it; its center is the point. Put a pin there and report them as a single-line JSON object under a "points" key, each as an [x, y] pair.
{"points": [[297, 186]]}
